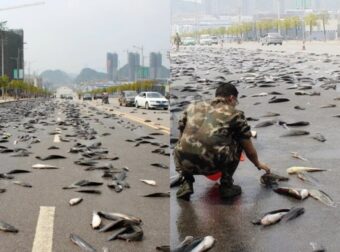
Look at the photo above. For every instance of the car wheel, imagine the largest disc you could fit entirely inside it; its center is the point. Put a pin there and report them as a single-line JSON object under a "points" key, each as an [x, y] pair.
{"points": [[166, 108], [147, 105]]}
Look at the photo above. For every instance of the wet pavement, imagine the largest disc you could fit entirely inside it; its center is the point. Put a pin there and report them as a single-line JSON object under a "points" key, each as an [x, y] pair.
{"points": [[196, 72], [20, 206]]}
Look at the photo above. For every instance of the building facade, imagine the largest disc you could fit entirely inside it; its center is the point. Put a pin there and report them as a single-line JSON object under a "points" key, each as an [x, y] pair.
{"points": [[13, 58]]}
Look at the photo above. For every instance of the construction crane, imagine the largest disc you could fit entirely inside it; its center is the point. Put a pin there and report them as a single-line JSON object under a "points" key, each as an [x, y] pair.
{"points": [[21, 6]]}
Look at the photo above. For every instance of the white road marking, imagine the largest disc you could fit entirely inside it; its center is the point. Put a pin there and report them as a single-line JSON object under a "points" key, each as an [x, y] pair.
{"points": [[43, 239], [56, 138]]}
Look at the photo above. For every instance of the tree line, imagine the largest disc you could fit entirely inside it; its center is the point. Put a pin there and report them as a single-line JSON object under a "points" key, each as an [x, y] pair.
{"points": [[138, 86], [20, 88], [262, 27]]}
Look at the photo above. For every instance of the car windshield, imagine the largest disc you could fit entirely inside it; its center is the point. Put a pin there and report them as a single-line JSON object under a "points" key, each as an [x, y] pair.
{"points": [[274, 35], [154, 95], [130, 94]]}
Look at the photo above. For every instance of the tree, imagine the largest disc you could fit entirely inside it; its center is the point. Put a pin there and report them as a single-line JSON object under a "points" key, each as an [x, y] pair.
{"points": [[311, 20], [295, 22], [324, 17]]}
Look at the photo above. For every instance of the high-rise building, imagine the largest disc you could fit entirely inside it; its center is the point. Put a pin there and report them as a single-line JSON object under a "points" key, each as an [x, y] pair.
{"points": [[112, 65], [133, 66], [13, 41], [155, 65]]}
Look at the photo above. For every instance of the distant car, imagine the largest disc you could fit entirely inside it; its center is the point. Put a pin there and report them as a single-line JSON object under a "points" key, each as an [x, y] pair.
{"points": [[98, 96], [87, 97], [272, 39], [127, 98], [205, 39], [150, 100], [214, 40], [188, 41]]}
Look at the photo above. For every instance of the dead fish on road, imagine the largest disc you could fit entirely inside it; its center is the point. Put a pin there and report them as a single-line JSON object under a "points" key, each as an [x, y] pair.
{"points": [[297, 193], [160, 165], [265, 124], [44, 166], [319, 137], [21, 183], [296, 124], [271, 217], [96, 220], [297, 169], [83, 182], [134, 233], [7, 227], [293, 213], [317, 247], [81, 243], [2, 190], [148, 182], [49, 157], [291, 133], [163, 248], [322, 197], [298, 156], [299, 108], [53, 148], [117, 232], [278, 100], [89, 191], [270, 114], [158, 194], [328, 106], [75, 201], [118, 216], [196, 245], [271, 179], [17, 171]]}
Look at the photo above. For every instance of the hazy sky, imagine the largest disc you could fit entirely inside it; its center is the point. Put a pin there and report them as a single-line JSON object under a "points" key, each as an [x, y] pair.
{"points": [[73, 34]]}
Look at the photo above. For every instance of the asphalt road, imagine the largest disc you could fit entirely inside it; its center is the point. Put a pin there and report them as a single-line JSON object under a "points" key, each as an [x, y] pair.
{"points": [[20, 205], [196, 72]]}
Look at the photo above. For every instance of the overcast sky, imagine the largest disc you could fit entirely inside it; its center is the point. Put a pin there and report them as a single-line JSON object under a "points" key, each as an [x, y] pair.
{"points": [[73, 34]]}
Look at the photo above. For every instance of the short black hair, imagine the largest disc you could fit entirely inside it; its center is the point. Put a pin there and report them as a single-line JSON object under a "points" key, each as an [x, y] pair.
{"points": [[226, 89]]}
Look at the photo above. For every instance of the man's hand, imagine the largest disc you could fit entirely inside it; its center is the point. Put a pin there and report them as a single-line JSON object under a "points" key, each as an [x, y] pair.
{"points": [[264, 167]]}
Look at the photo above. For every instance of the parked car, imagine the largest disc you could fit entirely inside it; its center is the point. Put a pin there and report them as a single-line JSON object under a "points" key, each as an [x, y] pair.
{"points": [[214, 40], [272, 39], [127, 98], [87, 97], [188, 41], [205, 39], [98, 96], [150, 100]]}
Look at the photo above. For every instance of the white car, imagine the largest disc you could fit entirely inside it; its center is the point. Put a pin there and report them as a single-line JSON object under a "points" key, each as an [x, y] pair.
{"points": [[205, 39], [150, 100]]}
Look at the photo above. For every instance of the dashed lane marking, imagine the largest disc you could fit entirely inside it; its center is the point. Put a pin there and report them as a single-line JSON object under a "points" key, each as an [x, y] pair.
{"points": [[43, 239]]}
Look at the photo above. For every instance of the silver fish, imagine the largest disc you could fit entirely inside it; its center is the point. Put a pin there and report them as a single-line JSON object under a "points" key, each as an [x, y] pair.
{"points": [[96, 220], [293, 192], [75, 201], [322, 197], [271, 217], [116, 216], [81, 243], [297, 169], [7, 227]]}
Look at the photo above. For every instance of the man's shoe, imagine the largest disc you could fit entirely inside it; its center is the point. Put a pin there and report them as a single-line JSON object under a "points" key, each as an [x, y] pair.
{"points": [[185, 190], [228, 192]]}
